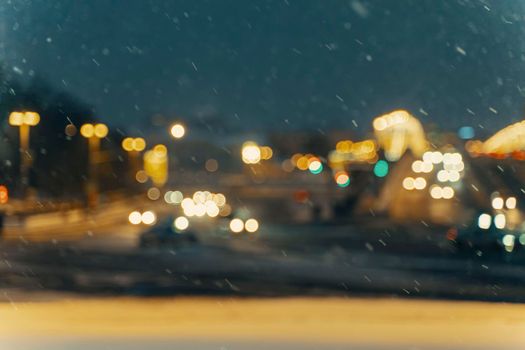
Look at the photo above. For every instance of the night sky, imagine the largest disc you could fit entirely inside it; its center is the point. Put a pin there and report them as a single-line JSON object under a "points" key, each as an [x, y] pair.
{"points": [[245, 65]]}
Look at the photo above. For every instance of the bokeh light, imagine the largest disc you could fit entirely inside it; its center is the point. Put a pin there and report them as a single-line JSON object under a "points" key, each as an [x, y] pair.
{"points": [[251, 153], [484, 221], [251, 225], [141, 176], [135, 217], [236, 225], [408, 183], [497, 203], [149, 217], [510, 203], [153, 193], [211, 165], [177, 130], [342, 179], [381, 168], [181, 223], [500, 221]]}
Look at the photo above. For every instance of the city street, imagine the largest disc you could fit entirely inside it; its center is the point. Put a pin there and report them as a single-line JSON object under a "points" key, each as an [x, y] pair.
{"points": [[275, 174], [295, 260]]}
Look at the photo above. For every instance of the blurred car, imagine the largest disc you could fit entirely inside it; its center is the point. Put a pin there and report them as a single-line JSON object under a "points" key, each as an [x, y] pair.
{"points": [[166, 235], [487, 234]]}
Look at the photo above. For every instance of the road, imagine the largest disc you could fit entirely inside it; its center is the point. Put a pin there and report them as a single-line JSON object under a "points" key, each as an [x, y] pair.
{"points": [[282, 261], [362, 255]]}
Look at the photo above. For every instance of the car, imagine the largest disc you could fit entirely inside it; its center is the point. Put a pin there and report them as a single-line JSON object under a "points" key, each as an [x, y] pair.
{"points": [[487, 234], [166, 235]]}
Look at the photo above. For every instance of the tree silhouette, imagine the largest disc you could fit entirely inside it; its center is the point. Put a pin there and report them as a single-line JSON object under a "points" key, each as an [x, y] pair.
{"points": [[60, 162]]}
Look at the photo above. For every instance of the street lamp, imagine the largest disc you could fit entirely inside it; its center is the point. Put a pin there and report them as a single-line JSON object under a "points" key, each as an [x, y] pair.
{"points": [[156, 164], [134, 146], [93, 132], [178, 130], [24, 120], [251, 153], [131, 144]]}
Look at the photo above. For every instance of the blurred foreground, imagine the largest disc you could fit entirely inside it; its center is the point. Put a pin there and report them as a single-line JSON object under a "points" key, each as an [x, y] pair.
{"points": [[295, 323]]}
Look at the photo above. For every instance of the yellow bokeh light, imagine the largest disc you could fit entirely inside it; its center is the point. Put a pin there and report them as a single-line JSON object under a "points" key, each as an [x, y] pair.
{"points": [[220, 199], [420, 183], [135, 218], [417, 166], [141, 176], [149, 217], [236, 225], [266, 153], [436, 192], [226, 210], [484, 221], [380, 124], [139, 144], [101, 130], [176, 197], [127, 144], [344, 146], [448, 192], [156, 164], [453, 176], [399, 131], [251, 225], [427, 167], [160, 150], [153, 193], [31, 118], [199, 197], [181, 223], [505, 141], [443, 176], [212, 210], [16, 118], [368, 146], [87, 130], [295, 158], [24, 118], [134, 144], [497, 203], [188, 206], [200, 209], [302, 163], [177, 131], [251, 153], [408, 183], [500, 221], [187, 203], [511, 202]]}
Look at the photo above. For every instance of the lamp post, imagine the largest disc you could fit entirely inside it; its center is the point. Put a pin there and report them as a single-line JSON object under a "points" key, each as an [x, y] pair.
{"points": [[24, 120], [93, 133], [156, 165], [134, 146]]}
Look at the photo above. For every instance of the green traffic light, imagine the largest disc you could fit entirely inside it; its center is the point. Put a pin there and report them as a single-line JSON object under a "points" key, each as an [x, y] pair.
{"points": [[381, 168]]}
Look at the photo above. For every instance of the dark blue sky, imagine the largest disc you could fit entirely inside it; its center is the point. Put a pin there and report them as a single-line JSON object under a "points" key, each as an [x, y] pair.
{"points": [[277, 64]]}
